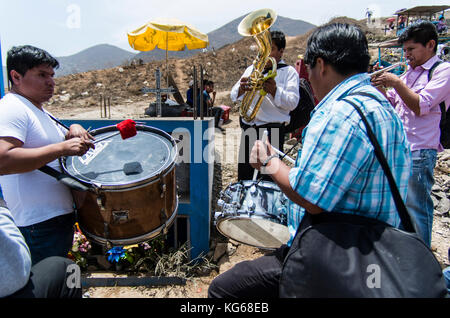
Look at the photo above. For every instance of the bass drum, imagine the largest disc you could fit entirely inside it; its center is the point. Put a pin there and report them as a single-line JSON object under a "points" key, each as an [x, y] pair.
{"points": [[132, 193], [253, 213]]}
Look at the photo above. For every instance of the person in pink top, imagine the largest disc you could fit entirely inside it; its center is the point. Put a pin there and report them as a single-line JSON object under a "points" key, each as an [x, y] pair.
{"points": [[416, 97]]}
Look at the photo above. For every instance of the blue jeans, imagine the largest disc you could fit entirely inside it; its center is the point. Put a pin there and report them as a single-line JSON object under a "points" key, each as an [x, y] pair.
{"points": [[418, 199], [446, 273], [53, 237]]}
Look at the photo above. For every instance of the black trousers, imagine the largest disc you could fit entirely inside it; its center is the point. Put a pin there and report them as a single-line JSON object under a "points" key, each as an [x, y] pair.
{"points": [[52, 278], [249, 279], [249, 135], [53, 237], [217, 114]]}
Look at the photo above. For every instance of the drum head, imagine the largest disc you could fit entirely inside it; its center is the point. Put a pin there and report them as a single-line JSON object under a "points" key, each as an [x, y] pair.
{"points": [[116, 163], [255, 231]]}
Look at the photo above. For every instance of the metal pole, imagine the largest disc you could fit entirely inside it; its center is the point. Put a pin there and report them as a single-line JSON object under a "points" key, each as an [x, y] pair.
{"points": [[194, 93], [2, 84], [158, 93], [167, 59], [201, 93], [109, 107], [101, 108], [104, 105]]}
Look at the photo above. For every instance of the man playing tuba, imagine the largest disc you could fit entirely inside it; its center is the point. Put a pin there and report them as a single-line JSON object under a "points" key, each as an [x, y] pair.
{"points": [[282, 96]]}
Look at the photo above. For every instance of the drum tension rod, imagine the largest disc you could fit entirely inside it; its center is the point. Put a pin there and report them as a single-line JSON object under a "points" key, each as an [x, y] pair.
{"points": [[164, 218]]}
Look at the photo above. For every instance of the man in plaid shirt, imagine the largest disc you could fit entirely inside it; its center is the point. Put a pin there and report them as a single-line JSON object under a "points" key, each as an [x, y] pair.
{"points": [[336, 170]]}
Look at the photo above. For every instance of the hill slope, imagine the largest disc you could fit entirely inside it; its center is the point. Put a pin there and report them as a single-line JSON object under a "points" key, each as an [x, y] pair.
{"points": [[223, 66], [106, 56], [94, 58]]}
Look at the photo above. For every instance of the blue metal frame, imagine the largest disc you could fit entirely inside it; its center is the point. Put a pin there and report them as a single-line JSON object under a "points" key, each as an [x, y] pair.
{"points": [[201, 172], [2, 91], [2, 84], [397, 71]]}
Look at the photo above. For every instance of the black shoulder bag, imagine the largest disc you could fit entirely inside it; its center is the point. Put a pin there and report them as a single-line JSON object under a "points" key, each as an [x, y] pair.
{"points": [[343, 255]]}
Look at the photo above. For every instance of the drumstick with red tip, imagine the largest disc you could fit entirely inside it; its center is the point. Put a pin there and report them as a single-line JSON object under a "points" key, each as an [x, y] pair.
{"points": [[127, 129]]}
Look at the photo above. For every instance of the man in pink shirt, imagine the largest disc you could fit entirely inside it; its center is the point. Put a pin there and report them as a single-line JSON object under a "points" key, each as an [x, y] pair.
{"points": [[416, 97]]}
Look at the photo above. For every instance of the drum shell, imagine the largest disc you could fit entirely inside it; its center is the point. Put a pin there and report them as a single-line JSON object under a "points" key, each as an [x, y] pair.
{"points": [[265, 226], [128, 216], [128, 212]]}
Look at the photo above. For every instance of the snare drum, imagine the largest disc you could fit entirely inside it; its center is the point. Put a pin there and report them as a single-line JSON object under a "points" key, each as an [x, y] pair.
{"points": [[253, 213], [132, 196]]}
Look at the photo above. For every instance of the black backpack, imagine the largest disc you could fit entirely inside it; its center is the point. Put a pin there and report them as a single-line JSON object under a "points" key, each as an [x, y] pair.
{"points": [[444, 124], [301, 115]]}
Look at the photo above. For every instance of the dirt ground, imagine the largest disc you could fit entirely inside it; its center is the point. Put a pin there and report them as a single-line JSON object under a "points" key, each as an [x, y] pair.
{"points": [[197, 286]]}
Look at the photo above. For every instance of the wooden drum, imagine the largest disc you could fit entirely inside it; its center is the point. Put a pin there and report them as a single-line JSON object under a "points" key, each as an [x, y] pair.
{"points": [[132, 196]]}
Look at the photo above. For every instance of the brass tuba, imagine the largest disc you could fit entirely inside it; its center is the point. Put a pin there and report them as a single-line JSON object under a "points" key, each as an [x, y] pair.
{"points": [[257, 24]]}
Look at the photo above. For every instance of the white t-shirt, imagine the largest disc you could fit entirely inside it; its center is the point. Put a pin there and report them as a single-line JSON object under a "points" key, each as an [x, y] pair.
{"points": [[34, 196], [274, 110]]}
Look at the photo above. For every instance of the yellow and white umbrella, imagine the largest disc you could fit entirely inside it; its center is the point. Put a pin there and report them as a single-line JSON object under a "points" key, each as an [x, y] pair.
{"points": [[168, 34]]}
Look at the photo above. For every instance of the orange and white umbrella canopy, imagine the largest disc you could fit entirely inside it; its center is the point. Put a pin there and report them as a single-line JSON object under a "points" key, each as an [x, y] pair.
{"points": [[168, 34]]}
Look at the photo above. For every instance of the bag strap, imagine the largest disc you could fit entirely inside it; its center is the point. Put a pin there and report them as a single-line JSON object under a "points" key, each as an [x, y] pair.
{"points": [[279, 66], [430, 72], [57, 121], [50, 171], [64, 178], [405, 217], [442, 104], [47, 169]]}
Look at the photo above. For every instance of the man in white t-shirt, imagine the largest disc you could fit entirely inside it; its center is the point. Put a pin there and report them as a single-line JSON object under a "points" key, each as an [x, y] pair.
{"points": [[42, 207]]}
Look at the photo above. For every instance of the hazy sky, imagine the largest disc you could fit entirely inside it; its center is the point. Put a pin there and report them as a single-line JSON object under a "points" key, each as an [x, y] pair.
{"points": [[65, 27]]}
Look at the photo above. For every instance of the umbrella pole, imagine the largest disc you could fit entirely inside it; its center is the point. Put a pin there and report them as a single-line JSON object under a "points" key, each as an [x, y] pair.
{"points": [[167, 59]]}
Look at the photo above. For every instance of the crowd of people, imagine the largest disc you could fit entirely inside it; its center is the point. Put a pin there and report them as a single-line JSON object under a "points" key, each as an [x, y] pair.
{"points": [[402, 22], [336, 169]]}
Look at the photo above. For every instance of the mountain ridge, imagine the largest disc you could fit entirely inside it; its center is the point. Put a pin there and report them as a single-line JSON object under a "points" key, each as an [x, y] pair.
{"points": [[104, 56], [96, 57]]}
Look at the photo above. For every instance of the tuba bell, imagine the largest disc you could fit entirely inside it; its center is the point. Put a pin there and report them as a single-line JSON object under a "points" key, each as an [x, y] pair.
{"points": [[257, 24]]}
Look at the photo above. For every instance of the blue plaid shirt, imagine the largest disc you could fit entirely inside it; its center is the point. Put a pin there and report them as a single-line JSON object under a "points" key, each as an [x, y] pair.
{"points": [[337, 170]]}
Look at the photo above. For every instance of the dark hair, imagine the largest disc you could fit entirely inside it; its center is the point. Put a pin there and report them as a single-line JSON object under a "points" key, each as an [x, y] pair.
{"points": [[278, 39], [23, 58], [343, 46], [421, 32]]}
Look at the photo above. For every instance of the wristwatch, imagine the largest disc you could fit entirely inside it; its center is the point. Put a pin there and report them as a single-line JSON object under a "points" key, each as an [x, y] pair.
{"points": [[268, 159]]}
